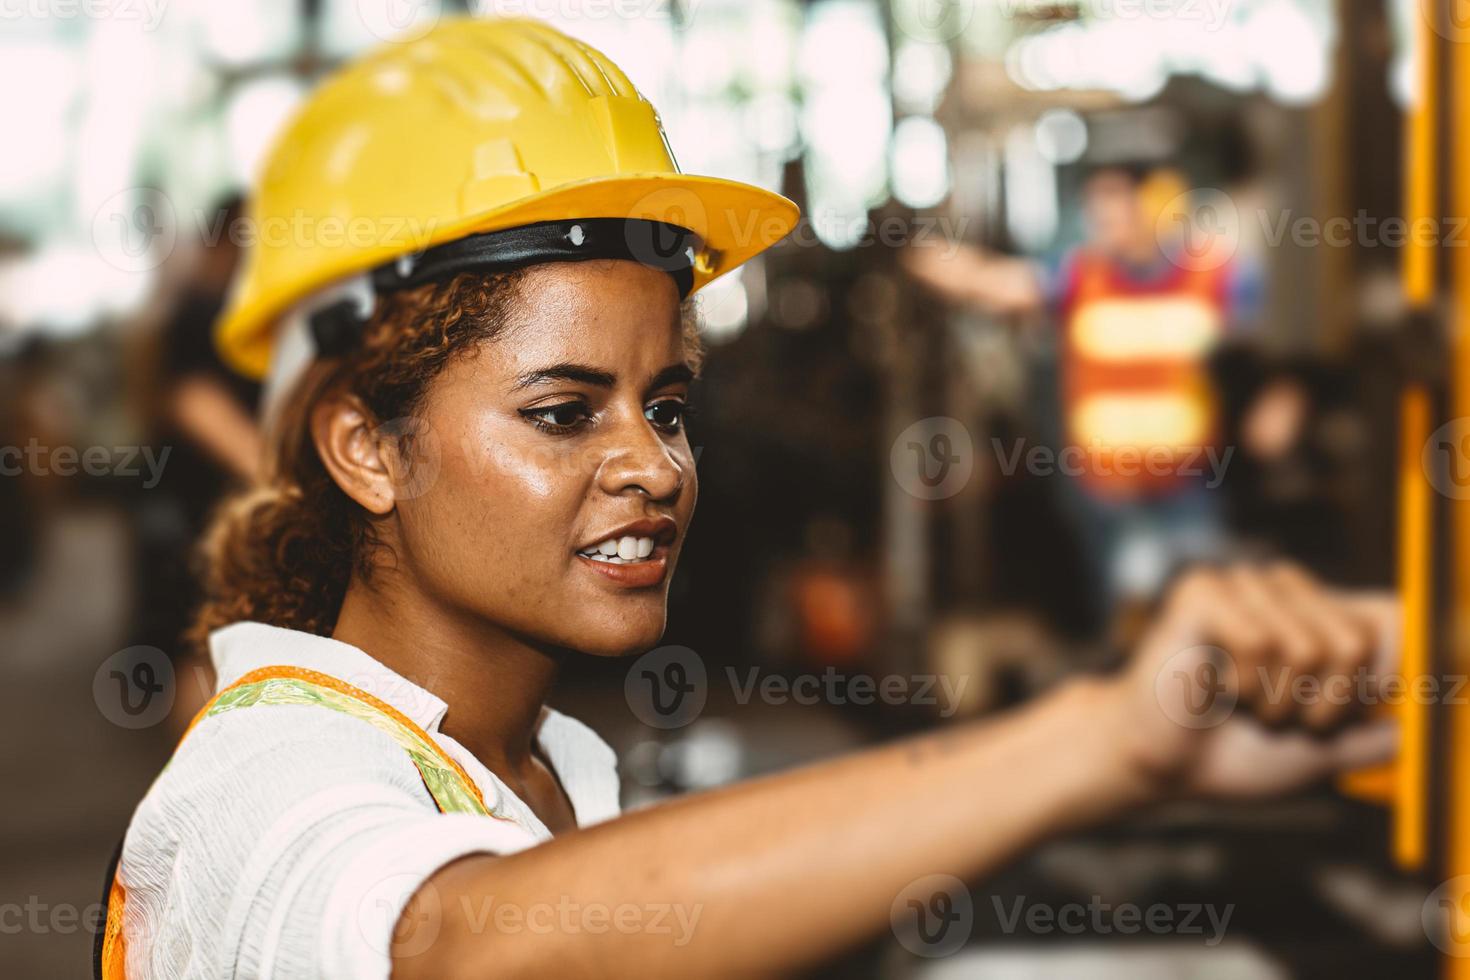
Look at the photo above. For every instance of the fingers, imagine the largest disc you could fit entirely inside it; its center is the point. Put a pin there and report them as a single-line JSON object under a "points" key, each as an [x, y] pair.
{"points": [[1363, 745], [1297, 653], [1248, 760], [1383, 614], [1344, 646]]}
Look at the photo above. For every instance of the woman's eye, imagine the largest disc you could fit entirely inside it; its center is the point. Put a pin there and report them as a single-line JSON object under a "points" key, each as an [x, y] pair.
{"points": [[561, 418], [667, 414]]}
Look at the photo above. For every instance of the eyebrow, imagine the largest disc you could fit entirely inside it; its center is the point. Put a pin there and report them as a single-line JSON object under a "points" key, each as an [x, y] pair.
{"points": [[587, 375]]}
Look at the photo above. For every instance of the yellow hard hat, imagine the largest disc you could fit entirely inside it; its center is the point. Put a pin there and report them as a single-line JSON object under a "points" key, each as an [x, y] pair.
{"points": [[478, 126]]}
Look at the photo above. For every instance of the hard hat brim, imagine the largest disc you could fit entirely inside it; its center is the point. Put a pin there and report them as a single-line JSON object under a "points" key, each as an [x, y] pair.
{"points": [[736, 221]]}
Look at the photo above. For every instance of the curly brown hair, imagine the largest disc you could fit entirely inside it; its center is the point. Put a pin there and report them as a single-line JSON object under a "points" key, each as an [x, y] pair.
{"points": [[283, 551]]}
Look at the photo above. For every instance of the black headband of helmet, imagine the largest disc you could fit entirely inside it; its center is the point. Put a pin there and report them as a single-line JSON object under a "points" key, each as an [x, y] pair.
{"points": [[655, 244]]}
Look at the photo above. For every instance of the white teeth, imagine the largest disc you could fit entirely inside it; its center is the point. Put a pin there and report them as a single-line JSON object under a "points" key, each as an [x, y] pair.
{"points": [[619, 551]]}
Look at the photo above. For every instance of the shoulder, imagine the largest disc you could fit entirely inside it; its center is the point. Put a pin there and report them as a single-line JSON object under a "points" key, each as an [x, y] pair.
{"points": [[237, 772], [269, 771], [1060, 276], [254, 800]]}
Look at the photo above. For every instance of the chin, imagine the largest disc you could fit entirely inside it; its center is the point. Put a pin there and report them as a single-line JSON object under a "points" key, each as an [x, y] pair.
{"points": [[625, 636], [629, 646]]}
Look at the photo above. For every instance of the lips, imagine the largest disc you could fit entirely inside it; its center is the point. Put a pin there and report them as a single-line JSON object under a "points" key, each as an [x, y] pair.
{"points": [[633, 555]]}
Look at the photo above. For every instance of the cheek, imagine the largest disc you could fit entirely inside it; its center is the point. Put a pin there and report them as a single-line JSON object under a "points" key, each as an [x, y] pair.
{"points": [[497, 514], [691, 487]]}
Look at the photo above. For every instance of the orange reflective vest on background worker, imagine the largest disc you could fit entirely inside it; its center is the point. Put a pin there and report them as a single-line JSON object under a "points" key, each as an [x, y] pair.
{"points": [[1139, 410]]}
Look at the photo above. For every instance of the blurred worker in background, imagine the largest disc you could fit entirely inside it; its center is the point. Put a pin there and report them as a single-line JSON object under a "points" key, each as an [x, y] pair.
{"points": [[1140, 305], [205, 413]]}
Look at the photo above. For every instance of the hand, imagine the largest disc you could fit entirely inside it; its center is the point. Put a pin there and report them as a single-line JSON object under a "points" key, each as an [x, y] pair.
{"points": [[936, 268], [1254, 682]]}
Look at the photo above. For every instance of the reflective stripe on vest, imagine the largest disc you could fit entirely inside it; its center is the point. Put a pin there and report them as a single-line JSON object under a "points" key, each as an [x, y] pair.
{"points": [[451, 788], [1139, 408]]}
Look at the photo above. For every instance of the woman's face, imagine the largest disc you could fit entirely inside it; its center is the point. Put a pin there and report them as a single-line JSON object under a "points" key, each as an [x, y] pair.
{"points": [[557, 479]]}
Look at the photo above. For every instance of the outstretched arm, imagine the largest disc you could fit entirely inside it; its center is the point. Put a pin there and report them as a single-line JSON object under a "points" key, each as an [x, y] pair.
{"points": [[1000, 284], [777, 873]]}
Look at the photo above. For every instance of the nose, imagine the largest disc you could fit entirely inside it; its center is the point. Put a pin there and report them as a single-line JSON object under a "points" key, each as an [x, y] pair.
{"points": [[638, 460]]}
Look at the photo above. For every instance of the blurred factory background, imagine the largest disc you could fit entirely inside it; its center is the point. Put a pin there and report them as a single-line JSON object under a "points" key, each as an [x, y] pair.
{"points": [[870, 503]]}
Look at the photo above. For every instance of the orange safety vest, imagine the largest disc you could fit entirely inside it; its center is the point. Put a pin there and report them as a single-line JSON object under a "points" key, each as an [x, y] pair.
{"points": [[1137, 401], [451, 788]]}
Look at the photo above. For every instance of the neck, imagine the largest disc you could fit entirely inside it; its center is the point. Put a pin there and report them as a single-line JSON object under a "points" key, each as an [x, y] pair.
{"points": [[494, 682], [1140, 252]]}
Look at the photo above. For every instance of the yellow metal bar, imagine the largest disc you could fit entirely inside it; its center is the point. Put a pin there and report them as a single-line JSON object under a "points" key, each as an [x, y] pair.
{"points": [[1421, 149], [1457, 749], [1415, 567], [1404, 783]]}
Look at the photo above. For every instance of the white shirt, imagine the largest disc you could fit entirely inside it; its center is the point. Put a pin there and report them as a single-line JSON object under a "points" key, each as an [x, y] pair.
{"points": [[283, 841]]}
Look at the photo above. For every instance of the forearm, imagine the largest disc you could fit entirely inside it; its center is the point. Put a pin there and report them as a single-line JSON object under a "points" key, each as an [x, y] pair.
{"points": [[1004, 286], [999, 284], [207, 413], [772, 874]]}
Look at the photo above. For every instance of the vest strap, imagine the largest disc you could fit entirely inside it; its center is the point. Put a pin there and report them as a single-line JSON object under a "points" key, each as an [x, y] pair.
{"points": [[451, 788]]}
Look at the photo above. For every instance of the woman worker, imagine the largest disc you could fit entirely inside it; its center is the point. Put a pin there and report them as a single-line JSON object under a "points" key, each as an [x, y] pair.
{"points": [[479, 469]]}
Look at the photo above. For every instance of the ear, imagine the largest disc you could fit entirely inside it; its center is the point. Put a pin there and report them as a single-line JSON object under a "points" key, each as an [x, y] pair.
{"points": [[346, 438]]}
